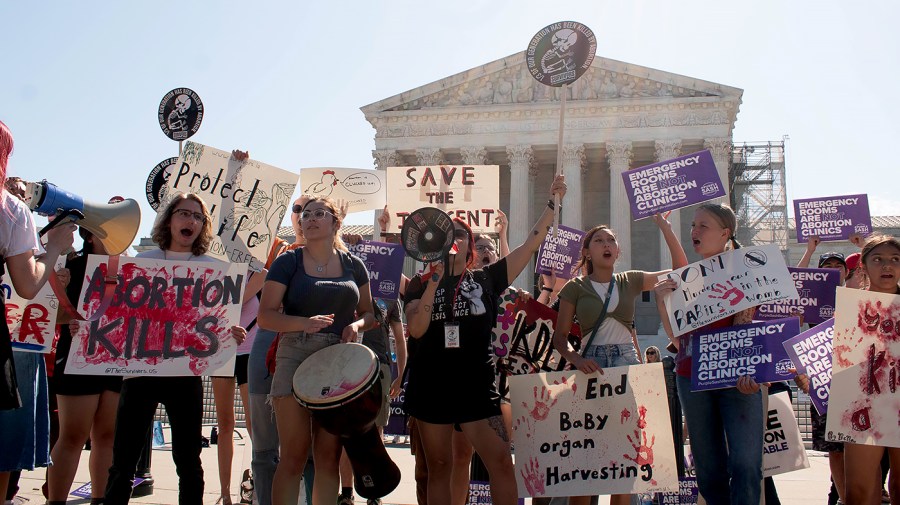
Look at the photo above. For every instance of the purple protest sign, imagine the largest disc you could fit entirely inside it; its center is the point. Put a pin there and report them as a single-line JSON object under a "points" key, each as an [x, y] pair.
{"points": [[811, 351], [560, 254], [721, 356], [672, 184], [385, 264], [832, 218], [816, 287]]}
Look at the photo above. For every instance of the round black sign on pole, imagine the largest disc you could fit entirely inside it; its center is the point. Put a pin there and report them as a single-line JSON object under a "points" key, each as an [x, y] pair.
{"points": [[427, 234], [156, 182], [180, 113], [560, 53]]}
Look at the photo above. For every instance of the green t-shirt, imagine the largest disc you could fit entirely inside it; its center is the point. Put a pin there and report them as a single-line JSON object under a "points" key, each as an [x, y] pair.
{"points": [[589, 304]]}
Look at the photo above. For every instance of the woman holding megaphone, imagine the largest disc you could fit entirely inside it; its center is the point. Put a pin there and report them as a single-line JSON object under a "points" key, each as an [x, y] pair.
{"points": [[24, 414], [451, 311]]}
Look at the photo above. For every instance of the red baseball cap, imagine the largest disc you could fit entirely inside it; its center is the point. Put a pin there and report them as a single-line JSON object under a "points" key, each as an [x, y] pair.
{"points": [[853, 261]]}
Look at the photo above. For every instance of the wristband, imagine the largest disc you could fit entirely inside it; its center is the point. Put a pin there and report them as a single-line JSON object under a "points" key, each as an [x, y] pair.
{"points": [[546, 288], [551, 204]]}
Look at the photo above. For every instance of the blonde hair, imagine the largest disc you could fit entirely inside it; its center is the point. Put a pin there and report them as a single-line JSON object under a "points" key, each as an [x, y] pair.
{"points": [[162, 229], [726, 218]]}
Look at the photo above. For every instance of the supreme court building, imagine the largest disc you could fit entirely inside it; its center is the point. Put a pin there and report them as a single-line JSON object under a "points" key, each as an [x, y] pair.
{"points": [[618, 116]]}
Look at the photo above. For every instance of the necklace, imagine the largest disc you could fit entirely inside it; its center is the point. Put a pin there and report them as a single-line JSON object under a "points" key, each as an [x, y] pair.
{"points": [[321, 268]]}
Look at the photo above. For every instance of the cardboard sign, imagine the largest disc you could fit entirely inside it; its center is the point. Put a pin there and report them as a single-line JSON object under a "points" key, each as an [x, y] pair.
{"points": [[361, 189], [672, 184], [816, 287], [385, 265], [578, 434], [783, 449], [247, 200], [32, 323], [725, 284], [469, 192], [167, 318], [560, 254], [862, 405], [832, 218], [721, 356], [811, 352]]}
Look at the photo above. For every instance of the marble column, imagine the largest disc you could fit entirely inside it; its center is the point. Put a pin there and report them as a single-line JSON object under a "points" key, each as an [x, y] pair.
{"points": [[384, 158], [573, 160], [666, 150], [720, 148], [474, 155], [429, 156], [522, 171], [619, 155]]}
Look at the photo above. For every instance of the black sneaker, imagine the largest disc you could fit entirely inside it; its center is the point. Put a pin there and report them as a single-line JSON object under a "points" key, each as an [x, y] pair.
{"points": [[373, 501], [344, 500]]}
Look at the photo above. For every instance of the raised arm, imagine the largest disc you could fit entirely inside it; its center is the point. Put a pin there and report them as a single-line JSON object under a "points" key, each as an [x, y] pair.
{"points": [[679, 258], [808, 253], [519, 257], [27, 273], [502, 226], [418, 312]]}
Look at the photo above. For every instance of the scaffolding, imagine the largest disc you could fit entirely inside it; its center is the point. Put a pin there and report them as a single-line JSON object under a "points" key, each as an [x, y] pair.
{"points": [[758, 196]]}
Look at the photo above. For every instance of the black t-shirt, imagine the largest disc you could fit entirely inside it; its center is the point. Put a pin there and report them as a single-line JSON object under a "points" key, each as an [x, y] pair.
{"points": [[378, 338], [456, 376]]}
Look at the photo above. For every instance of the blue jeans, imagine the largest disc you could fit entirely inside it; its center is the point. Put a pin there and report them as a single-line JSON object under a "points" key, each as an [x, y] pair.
{"points": [[612, 355], [25, 432], [263, 431], [732, 473]]}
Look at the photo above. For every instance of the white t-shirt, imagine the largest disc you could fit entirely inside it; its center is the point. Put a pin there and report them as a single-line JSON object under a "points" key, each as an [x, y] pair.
{"points": [[17, 231], [611, 331]]}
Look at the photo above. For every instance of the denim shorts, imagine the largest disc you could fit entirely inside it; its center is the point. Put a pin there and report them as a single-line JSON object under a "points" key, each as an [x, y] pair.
{"points": [[612, 355], [293, 349]]}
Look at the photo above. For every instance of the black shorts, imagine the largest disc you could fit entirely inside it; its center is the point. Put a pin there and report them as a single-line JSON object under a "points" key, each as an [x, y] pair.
{"points": [[240, 369], [450, 398], [818, 433], [78, 385]]}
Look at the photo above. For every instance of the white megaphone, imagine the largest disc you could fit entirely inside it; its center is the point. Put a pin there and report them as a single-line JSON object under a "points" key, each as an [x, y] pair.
{"points": [[115, 225]]}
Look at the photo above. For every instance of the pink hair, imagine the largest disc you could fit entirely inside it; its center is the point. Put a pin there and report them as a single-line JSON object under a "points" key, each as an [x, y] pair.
{"points": [[6, 148]]}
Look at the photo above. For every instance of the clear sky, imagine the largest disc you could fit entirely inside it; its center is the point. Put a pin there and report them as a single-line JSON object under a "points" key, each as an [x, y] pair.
{"points": [[80, 82]]}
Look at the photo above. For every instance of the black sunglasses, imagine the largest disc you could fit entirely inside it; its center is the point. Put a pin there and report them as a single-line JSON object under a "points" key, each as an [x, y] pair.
{"points": [[651, 353], [297, 208], [459, 233]]}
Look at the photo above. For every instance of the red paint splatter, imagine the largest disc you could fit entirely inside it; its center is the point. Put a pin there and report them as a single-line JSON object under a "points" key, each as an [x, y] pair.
{"points": [[542, 404], [643, 450], [624, 416], [642, 417], [839, 351]]}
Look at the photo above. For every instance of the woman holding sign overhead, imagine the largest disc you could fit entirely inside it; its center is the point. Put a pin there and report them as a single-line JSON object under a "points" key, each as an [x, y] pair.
{"points": [[604, 301], [451, 314], [726, 424], [880, 261]]}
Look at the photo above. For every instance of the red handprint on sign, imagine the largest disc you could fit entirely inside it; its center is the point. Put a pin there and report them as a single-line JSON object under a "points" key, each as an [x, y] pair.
{"points": [[564, 382], [542, 404], [524, 424], [643, 452], [728, 292], [532, 477]]}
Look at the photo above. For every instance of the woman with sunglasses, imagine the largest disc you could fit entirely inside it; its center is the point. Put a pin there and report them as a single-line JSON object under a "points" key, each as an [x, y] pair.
{"points": [[451, 376], [651, 355], [322, 289], [603, 302], [726, 425]]}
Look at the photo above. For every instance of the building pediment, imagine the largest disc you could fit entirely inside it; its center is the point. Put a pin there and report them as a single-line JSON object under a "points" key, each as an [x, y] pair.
{"points": [[507, 83]]}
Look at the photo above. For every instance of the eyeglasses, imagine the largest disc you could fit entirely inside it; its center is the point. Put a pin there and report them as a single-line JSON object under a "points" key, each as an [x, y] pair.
{"points": [[187, 214], [317, 214], [460, 233], [297, 208], [485, 248]]}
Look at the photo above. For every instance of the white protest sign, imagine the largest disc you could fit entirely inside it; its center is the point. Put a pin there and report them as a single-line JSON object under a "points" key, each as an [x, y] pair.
{"points": [[726, 284], [167, 318], [247, 200], [863, 397], [783, 449], [578, 435], [469, 192], [32, 323], [361, 189]]}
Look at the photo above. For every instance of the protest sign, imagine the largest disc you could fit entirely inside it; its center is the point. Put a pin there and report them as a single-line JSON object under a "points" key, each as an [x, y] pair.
{"points": [[725, 284], [783, 449], [32, 323], [862, 402], [470, 192], [560, 254], [688, 492], [385, 265], [721, 356], [832, 218], [361, 189], [85, 490], [167, 318], [816, 287], [247, 200], [672, 184], [811, 352], [578, 434]]}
